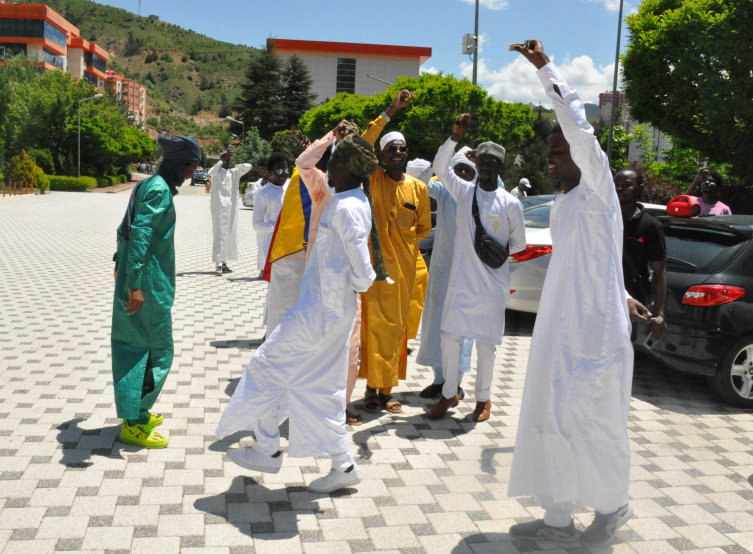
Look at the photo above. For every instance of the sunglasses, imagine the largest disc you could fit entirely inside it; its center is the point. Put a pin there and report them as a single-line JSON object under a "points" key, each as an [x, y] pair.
{"points": [[392, 149], [281, 171]]}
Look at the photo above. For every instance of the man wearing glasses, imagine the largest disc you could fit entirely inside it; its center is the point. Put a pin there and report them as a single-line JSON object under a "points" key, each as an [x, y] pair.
{"points": [[402, 215]]}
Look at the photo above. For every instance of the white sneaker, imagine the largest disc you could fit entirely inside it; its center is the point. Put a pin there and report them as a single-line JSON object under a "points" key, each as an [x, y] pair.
{"points": [[251, 459], [336, 480]]}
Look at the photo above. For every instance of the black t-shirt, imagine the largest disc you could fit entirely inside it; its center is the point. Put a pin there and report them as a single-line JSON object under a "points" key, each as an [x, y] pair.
{"points": [[643, 243]]}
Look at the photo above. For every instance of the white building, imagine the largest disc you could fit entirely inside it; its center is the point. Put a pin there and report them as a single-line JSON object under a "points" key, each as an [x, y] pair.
{"points": [[340, 66]]}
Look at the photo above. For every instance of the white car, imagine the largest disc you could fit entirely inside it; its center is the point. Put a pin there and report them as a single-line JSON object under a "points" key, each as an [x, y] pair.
{"points": [[528, 267]]}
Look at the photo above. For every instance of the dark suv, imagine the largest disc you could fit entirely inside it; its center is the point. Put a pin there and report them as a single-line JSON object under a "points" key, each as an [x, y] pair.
{"points": [[709, 308]]}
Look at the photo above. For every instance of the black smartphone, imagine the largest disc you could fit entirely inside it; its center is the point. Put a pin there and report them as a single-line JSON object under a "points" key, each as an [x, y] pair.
{"points": [[409, 206]]}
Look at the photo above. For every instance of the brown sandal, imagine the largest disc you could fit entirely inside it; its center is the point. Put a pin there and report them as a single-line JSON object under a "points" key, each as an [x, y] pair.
{"points": [[392, 405], [371, 401], [353, 418]]}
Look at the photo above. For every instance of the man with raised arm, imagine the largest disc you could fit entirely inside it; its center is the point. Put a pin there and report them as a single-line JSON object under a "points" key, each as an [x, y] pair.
{"points": [[477, 294], [306, 356], [572, 443]]}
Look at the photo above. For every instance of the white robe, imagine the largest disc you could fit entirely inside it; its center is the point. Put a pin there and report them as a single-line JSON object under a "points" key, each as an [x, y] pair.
{"points": [[477, 294], [224, 208], [284, 288], [267, 207], [306, 356], [572, 442]]}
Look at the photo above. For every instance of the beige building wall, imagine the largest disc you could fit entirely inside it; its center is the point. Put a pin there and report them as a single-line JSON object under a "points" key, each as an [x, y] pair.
{"points": [[76, 64], [323, 68]]}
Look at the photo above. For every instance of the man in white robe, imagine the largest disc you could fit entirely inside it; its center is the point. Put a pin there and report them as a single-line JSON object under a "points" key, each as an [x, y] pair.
{"points": [[306, 356], [268, 204], [477, 293], [226, 179], [430, 351], [572, 443]]}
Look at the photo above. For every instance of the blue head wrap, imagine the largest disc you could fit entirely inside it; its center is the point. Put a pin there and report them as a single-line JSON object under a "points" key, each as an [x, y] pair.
{"points": [[180, 149]]}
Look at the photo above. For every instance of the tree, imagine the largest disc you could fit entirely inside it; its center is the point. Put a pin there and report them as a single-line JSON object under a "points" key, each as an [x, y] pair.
{"points": [[253, 150], [620, 146], [428, 121], [290, 142], [133, 45], [687, 71], [259, 102], [296, 96]]}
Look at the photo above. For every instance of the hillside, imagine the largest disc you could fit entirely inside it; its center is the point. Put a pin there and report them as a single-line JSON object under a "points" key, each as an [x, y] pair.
{"points": [[189, 66]]}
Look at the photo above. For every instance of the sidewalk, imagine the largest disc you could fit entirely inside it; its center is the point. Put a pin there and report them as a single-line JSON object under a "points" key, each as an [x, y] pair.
{"points": [[135, 179]]}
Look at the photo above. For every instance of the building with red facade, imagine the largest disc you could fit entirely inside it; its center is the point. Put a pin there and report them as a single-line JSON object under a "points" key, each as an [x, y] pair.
{"points": [[41, 33], [131, 92]]}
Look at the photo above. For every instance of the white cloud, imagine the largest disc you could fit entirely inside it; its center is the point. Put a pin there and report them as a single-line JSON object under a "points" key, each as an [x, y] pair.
{"points": [[518, 81], [433, 70], [483, 39], [491, 4], [611, 5]]}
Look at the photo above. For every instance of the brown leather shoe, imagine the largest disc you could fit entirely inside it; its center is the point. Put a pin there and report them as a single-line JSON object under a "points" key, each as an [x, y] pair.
{"points": [[441, 407], [483, 411]]}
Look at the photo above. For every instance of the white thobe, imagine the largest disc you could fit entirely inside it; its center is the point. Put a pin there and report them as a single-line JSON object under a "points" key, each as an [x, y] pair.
{"points": [[224, 208], [572, 442], [267, 207], [477, 294], [519, 194], [256, 187], [306, 356], [284, 286]]}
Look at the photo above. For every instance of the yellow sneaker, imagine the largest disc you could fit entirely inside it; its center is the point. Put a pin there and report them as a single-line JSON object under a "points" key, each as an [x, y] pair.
{"points": [[142, 435], [155, 420]]}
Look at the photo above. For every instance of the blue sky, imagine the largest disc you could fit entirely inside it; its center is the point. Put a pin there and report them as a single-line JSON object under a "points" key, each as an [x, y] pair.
{"points": [[579, 34]]}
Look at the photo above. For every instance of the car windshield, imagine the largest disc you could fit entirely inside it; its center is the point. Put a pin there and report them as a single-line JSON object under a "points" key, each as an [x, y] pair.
{"points": [[532, 201], [538, 217], [702, 251]]}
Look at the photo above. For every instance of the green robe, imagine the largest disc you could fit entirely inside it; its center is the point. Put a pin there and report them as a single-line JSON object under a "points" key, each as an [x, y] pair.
{"points": [[144, 340]]}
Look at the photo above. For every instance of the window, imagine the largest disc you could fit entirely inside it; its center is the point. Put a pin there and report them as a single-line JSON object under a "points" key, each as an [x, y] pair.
{"points": [[702, 251], [32, 28], [11, 50], [55, 35], [52, 59], [92, 60], [346, 75]]}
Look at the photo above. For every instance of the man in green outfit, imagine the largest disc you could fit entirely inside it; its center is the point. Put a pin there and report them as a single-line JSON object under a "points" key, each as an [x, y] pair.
{"points": [[142, 330]]}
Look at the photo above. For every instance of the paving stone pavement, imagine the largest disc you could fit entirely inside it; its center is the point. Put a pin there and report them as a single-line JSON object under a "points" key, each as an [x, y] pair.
{"points": [[435, 487]]}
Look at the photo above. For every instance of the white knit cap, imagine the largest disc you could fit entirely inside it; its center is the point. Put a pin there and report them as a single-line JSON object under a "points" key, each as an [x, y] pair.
{"points": [[389, 137], [415, 167]]}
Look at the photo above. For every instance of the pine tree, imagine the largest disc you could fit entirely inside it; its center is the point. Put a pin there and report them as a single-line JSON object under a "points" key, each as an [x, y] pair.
{"points": [[259, 103], [296, 97]]}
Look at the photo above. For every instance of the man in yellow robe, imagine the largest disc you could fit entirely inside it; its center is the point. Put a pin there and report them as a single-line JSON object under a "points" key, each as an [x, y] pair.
{"points": [[402, 215]]}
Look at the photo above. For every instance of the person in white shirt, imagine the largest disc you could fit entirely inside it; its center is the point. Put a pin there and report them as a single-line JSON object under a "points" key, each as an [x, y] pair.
{"points": [[268, 204], [306, 356], [519, 192], [477, 295], [226, 179], [572, 444]]}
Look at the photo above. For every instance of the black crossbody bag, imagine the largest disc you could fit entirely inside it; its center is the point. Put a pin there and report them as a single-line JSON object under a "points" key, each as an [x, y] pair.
{"points": [[489, 250]]}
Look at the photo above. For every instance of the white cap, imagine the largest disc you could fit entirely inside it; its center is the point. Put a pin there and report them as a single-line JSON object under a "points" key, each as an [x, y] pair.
{"points": [[525, 183], [389, 137], [415, 167]]}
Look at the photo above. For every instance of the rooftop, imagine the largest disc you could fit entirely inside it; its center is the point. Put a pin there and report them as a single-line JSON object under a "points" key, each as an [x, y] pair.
{"points": [[423, 53]]}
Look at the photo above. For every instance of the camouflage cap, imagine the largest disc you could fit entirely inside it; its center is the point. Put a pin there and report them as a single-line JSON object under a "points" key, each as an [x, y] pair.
{"points": [[357, 159]]}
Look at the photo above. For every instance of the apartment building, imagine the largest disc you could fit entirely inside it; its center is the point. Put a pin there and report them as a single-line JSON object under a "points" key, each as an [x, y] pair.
{"points": [[131, 92]]}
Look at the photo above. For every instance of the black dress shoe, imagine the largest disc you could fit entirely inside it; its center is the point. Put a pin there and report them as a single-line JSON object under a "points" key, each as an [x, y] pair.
{"points": [[226, 269], [431, 391]]}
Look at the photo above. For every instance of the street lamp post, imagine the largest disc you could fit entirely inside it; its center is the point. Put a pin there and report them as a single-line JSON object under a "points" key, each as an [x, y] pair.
{"points": [[243, 134], [614, 86], [475, 55], [79, 127]]}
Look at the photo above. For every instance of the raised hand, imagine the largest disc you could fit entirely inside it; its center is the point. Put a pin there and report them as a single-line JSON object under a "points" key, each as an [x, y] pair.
{"points": [[533, 51], [344, 128], [403, 99], [461, 126]]}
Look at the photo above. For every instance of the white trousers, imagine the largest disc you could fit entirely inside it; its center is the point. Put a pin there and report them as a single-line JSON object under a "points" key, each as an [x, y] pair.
{"points": [[267, 433], [560, 514], [487, 352]]}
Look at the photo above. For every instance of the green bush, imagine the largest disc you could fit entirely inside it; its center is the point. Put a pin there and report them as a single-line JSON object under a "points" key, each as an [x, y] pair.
{"points": [[22, 169], [75, 184], [43, 158]]}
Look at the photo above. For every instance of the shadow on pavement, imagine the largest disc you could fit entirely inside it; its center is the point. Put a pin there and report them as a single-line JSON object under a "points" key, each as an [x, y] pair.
{"points": [[242, 344], [193, 273], [487, 458], [245, 279], [80, 445]]}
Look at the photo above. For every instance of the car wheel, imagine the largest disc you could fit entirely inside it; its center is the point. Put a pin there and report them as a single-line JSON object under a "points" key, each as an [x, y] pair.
{"points": [[734, 376]]}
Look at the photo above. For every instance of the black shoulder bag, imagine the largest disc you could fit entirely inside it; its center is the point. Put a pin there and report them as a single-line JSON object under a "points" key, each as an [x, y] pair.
{"points": [[489, 250]]}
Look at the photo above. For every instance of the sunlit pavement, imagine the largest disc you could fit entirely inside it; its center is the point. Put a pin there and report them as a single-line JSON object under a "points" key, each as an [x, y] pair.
{"points": [[68, 484]]}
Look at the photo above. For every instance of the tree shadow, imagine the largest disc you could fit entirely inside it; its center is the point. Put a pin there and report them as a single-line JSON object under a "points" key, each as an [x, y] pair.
{"points": [[80, 445], [251, 344]]}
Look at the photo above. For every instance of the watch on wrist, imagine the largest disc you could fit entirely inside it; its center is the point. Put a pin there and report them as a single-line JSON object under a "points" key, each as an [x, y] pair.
{"points": [[660, 319]]}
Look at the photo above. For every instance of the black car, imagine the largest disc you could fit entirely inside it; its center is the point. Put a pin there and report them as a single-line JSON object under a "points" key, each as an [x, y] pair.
{"points": [[199, 177], [709, 307]]}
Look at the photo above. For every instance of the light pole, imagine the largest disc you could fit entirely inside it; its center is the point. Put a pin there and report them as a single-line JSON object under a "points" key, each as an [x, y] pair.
{"points": [[475, 55], [614, 86], [243, 134], [79, 127]]}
